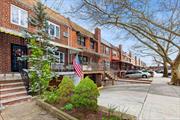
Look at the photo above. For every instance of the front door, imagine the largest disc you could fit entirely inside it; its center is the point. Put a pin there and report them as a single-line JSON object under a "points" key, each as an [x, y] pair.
{"points": [[16, 52]]}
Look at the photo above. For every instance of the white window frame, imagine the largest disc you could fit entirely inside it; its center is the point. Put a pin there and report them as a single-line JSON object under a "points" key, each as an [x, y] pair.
{"points": [[58, 56], [55, 25], [115, 53], [65, 34], [107, 50], [19, 16]]}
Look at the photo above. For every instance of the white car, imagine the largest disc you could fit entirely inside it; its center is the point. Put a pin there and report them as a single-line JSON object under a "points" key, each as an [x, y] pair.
{"points": [[137, 74]]}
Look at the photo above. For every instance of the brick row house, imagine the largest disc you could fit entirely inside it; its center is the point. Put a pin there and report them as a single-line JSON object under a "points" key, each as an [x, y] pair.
{"points": [[95, 54]]}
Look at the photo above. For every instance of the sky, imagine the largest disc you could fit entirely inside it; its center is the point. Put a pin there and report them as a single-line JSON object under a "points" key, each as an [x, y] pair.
{"points": [[110, 35]]}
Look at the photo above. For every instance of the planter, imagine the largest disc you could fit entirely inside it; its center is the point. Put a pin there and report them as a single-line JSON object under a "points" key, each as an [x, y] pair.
{"points": [[54, 111], [64, 116]]}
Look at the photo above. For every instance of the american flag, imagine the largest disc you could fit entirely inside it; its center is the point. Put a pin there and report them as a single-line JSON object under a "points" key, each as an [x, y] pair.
{"points": [[77, 66]]}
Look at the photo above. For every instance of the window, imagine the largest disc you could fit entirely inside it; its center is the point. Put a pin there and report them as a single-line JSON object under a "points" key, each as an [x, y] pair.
{"points": [[19, 16], [107, 51], [53, 30], [114, 53], [65, 34], [83, 59], [102, 49], [60, 57], [81, 40], [92, 44]]}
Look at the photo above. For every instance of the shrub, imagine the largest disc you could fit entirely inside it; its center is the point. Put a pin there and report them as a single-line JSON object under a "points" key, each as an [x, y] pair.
{"points": [[51, 96], [65, 90], [85, 95], [68, 107]]}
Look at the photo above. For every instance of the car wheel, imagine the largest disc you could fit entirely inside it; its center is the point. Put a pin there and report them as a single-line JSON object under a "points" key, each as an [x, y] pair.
{"points": [[144, 76]]}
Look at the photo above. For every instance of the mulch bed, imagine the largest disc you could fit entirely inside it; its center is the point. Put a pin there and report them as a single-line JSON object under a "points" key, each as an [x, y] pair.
{"points": [[88, 115]]}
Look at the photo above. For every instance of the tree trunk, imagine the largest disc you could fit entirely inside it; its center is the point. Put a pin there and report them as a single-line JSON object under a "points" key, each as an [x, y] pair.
{"points": [[165, 72], [176, 71]]}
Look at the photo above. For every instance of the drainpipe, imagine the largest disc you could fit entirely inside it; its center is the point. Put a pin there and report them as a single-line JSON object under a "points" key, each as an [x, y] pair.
{"points": [[68, 44]]}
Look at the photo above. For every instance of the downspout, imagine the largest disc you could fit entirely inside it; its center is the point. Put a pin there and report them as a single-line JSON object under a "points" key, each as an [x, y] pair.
{"points": [[68, 44]]}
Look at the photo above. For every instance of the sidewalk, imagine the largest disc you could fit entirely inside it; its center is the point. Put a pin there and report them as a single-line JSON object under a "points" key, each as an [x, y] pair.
{"points": [[25, 111], [157, 101], [162, 102]]}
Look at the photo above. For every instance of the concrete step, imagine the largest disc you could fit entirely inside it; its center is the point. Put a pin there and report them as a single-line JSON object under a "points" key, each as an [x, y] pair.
{"points": [[9, 81], [10, 85], [12, 95], [13, 89], [14, 100], [10, 76]]}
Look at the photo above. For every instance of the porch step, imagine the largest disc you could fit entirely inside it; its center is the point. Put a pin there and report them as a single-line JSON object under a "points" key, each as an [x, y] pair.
{"points": [[9, 81], [10, 85], [10, 76], [13, 89], [14, 100], [11, 95]]}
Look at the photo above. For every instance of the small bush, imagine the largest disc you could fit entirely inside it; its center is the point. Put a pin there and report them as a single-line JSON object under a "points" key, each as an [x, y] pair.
{"points": [[85, 95], [68, 107], [65, 90], [51, 96]]}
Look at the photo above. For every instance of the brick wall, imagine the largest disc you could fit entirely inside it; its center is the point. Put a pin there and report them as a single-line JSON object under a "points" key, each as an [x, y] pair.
{"points": [[5, 50]]}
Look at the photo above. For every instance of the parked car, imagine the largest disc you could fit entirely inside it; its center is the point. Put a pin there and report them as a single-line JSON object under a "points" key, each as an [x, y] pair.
{"points": [[152, 73], [137, 74], [169, 72]]}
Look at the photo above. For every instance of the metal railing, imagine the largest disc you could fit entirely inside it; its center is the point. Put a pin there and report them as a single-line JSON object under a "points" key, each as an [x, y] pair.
{"points": [[59, 67], [95, 67]]}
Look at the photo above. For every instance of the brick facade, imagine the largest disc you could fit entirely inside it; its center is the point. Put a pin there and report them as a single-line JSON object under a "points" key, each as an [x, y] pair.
{"points": [[65, 26], [5, 50]]}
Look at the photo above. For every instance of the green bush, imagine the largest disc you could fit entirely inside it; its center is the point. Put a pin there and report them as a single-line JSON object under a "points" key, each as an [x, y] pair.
{"points": [[68, 107], [50, 96], [85, 95], [65, 90]]}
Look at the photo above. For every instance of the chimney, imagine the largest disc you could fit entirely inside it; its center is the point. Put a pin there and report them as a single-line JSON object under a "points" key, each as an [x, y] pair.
{"points": [[98, 38], [135, 60], [130, 54], [120, 48]]}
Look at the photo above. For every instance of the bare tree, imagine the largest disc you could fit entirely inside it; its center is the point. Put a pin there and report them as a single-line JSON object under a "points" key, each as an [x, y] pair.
{"points": [[141, 50], [149, 25]]}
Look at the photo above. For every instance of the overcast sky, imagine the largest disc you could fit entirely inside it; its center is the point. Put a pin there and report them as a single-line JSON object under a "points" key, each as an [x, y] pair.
{"points": [[110, 35]]}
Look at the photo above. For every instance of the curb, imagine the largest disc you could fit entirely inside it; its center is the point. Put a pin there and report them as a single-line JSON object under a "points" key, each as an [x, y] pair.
{"points": [[54, 111]]}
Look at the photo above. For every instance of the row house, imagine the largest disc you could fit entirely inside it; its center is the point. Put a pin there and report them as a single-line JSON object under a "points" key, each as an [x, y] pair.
{"points": [[70, 38], [122, 61], [95, 54]]}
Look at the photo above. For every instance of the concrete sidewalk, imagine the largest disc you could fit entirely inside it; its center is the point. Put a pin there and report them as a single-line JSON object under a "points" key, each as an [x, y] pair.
{"points": [[25, 111], [157, 101]]}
